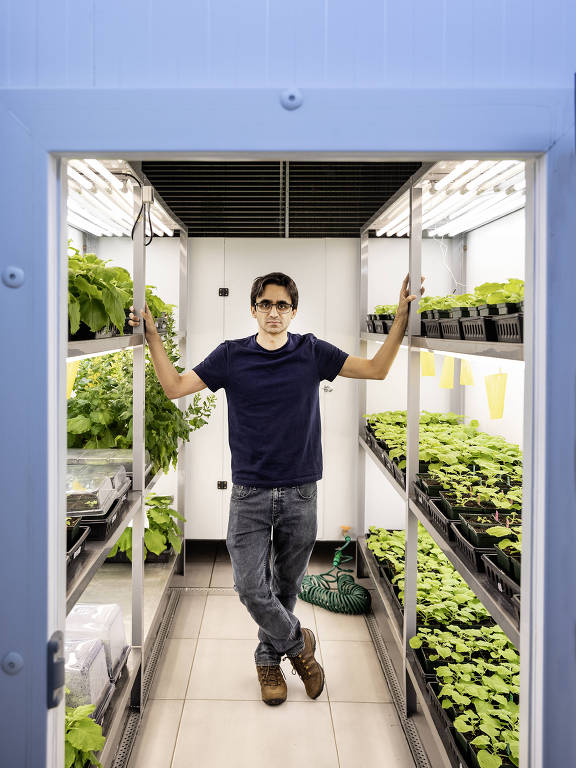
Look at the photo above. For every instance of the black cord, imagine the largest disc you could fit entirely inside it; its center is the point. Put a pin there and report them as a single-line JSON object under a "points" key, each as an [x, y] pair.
{"points": [[137, 180]]}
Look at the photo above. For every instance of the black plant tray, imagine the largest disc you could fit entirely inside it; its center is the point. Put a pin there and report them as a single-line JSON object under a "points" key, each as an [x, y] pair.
{"points": [[439, 715], [450, 328], [509, 307], [457, 758], [397, 610], [503, 583], [510, 328], [76, 550], [467, 551], [488, 309], [388, 325], [516, 606], [453, 511], [421, 666], [163, 557], [379, 326], [421, 498], [73, 531], [400, 475], [460, 312], [439, 520], [432, 328], [479, 537], [370, 324], [438, 313], [429, 486], [478, 328], [100, 711], [102, 527]]}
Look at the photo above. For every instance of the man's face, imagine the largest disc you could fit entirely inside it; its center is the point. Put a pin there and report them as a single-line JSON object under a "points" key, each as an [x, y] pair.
{"points": [[274, 322]]}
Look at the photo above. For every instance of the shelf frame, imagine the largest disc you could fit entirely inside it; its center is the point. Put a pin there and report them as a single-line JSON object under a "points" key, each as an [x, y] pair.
{"points": [[368, 567], [103, 346], [497, 349]]}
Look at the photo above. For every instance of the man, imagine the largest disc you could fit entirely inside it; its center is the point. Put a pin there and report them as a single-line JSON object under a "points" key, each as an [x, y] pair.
{"points": [[271, 381]]}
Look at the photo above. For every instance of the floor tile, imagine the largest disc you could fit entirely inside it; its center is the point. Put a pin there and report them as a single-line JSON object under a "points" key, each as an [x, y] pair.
{"points": [[370, 735], [157, 735], [353, 672], [222, 575], [197, 574], [173, 671], [188, 617], [340, 626], [226, 617], [225, 669], [248, 734]]}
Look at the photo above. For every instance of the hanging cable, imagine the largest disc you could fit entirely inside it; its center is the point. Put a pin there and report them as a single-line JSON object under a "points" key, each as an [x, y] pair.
{"points": [[143, 207], [336, 592]]}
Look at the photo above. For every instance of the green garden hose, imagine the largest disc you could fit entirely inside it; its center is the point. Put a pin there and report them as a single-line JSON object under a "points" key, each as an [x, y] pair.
{"points": [[336, 592]]}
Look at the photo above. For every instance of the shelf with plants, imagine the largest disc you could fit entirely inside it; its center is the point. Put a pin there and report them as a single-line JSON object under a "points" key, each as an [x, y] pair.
{"points": [[453, 631], [95, 552], [475, 523], [468, 495]]}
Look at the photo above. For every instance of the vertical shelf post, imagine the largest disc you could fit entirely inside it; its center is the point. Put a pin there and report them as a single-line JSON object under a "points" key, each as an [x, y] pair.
{"points": [[412, 438], [183, 294], [138, 438], [363, 304]]}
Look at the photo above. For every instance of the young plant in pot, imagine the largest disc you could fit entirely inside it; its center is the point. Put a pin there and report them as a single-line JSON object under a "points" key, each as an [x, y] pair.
{"points": [[162, 533]]}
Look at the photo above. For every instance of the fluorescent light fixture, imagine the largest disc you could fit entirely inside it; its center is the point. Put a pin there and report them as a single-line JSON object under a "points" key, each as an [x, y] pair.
{"points": [[457, 173], [79, 179], [85, 226], [105, 173], [473, 220]]}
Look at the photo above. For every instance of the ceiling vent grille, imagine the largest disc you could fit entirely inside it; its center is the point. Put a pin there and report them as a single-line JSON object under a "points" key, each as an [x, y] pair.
{"points": [[276, 199]]}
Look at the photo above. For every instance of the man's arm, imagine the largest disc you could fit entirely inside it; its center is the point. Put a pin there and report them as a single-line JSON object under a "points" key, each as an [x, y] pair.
{"points": [[174, 384], [380, 364]]}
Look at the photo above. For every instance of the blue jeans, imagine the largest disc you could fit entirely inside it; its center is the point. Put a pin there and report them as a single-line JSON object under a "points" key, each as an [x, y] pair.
{"points": [[271, 534]]}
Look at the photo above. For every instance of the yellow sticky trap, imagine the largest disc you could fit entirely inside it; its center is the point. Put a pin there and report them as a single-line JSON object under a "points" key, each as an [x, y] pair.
{"points": [[496, 391], [447, 375], [71, 371], [466, 375], [427, 367]]}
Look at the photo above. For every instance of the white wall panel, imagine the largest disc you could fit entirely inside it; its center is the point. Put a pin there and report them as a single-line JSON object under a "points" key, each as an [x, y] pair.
{"points": [[183, 43]]}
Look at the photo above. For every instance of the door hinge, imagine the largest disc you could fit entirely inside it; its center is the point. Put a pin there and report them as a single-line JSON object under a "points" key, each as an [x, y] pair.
{"points": [[56, 671], [223, 292], [222, 484]]}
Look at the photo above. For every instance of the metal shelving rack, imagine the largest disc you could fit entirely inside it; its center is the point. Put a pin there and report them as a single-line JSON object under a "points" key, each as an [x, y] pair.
{"points": [[415, 698], [129, 694]]}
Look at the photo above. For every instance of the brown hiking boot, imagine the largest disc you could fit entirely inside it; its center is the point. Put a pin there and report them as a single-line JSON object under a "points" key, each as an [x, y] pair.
{"points": [[272, 684], [307, 667]]}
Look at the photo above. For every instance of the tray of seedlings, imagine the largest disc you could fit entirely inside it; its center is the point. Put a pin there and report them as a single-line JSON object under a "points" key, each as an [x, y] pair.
{"points": [[95, 492]]}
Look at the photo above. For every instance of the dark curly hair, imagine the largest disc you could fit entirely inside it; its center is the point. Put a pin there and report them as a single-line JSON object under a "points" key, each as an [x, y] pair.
{"points": [[274, 278]]}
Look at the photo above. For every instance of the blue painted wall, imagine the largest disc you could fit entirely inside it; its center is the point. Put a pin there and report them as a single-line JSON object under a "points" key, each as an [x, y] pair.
{"points": [[219, 43]]}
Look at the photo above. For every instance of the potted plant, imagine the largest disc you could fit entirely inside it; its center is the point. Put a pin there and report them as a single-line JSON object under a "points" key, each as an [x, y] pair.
{"points": [[162, 537], [83, 738]]}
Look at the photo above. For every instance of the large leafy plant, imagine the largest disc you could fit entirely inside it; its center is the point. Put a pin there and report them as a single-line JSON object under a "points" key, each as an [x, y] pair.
{"points": [[98, 295], [100, 412], [83, 737], [162, 531]]}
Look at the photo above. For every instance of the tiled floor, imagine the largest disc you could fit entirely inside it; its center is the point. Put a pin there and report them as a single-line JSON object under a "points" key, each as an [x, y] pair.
{"points": [[205, 708]]}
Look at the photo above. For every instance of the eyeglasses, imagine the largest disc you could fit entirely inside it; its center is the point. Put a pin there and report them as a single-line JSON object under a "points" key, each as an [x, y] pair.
{"points": [[266, 306]]}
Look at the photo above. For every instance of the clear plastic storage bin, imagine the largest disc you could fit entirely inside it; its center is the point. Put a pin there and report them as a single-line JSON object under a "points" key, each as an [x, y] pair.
{"points": [[102, 622], [88, 492], [99, 456], [86, 671]]}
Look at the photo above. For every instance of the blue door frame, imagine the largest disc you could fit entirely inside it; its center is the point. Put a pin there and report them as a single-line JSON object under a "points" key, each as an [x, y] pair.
{"points": [[38, 127]]}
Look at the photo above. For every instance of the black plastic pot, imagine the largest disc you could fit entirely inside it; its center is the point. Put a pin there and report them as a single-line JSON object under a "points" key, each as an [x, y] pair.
{"points": [[476, 532], [508, 307], [450, 328], [453, 510], [73, 554], [478, 328], [438, 313], [440, 521], [468, 552], [501, 581], [432, 329], [488, 309], [379, 326], [430, 486], [388, 323], [440, 716], [460, 312], [510, 328], [163, 557], [73, 531], [370, 323], [421, 498]]}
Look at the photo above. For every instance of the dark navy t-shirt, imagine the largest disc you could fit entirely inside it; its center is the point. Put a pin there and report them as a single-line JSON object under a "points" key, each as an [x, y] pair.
{"points": [[273, 406]]}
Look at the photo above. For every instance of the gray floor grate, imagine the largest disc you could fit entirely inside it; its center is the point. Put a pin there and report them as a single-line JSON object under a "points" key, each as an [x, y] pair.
{"points": [[132, 726], [412, 736]]}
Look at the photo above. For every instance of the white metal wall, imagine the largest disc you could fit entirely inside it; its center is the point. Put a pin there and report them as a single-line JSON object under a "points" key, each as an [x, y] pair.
{"points": [[215, 43]]}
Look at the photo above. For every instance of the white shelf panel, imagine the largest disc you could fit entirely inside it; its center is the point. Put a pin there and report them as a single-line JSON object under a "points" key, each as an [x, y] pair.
{"points": [[103, 346], [496, 349]]}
